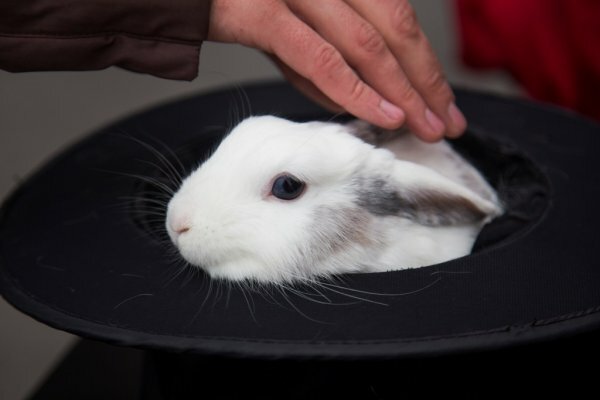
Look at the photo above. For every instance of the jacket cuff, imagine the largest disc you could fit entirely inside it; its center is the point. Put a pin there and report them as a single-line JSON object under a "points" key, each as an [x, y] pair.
{"points": [[157, 37]]}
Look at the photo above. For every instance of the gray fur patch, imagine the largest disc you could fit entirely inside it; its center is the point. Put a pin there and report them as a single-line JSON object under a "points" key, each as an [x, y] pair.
{"points": [[336, 229], [379, 198], [373, 134], [424, 206]]}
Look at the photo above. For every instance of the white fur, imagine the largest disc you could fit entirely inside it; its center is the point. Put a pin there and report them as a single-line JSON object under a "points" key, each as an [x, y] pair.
{"points": [[238, 231]]}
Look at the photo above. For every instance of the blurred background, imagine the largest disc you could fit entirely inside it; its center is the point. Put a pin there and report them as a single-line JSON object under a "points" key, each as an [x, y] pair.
{"points": [[42, 113]]}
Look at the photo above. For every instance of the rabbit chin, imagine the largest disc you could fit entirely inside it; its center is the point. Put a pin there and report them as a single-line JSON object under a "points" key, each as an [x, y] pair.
{"points": [[230, 265], [243, 270]]}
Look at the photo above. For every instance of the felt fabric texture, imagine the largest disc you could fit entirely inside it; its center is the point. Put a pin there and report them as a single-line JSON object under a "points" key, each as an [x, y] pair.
{"points": [[97, 371], [73, 256]]}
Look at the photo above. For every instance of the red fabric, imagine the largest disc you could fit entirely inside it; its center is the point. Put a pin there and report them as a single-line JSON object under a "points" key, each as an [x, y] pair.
{"points": [[552, 47]]}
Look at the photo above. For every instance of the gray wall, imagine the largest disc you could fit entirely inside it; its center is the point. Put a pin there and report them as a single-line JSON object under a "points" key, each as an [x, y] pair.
{"points": [[41, 113]]}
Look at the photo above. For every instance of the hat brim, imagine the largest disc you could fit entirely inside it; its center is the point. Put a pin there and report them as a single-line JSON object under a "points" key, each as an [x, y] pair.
{"points": [[73, 257]]}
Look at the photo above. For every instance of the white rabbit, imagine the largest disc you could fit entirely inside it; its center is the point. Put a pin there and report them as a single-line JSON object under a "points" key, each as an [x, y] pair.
{"points": [[281, 201]]}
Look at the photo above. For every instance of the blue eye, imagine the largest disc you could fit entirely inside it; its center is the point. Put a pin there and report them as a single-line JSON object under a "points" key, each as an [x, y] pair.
{"points": [[287, 187]]}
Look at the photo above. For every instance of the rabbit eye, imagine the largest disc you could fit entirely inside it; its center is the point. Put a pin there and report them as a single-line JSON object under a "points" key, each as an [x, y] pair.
{"points": [[287, 187]]}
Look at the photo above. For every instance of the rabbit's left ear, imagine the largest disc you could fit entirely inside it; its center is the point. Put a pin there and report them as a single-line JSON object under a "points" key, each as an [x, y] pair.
{"points": [[372, 134], [420, 194]]}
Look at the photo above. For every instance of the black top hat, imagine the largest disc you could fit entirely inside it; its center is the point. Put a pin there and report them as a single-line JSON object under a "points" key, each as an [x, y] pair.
{"points": [[72, 257]]}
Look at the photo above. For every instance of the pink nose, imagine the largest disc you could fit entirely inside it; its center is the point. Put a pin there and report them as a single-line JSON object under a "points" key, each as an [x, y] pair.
{"points": [[180, 224], [181, 230]]}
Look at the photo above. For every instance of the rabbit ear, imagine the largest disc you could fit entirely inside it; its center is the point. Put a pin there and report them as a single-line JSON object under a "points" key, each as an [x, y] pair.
{"points": [[420, 194], [372, 134]]}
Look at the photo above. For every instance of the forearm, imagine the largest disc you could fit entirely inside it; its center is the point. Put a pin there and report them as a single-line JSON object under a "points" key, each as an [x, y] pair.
{"points": [[157, 37]]}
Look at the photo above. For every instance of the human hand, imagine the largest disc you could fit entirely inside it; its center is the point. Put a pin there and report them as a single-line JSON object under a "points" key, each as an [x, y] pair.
{"points": [[369, 58]]}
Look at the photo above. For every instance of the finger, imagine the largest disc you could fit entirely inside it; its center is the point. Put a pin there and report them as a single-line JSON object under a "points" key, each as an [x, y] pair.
{"points": [[367, 52], [307, 87], [303, 50], [397, 22]]}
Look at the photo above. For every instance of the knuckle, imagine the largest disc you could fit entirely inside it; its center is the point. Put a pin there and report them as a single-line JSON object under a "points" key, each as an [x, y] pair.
{"points": [[435, 80], [406, 92], [327, 59], [358, 90], [369, 40], [404, 20]]}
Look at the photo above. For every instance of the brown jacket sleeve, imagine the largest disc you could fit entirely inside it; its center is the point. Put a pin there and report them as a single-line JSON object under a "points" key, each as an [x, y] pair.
{"points": [[158, 37]]}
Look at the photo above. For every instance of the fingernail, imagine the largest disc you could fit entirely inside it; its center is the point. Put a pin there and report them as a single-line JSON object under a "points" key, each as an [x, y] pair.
{"points": [[458, 119], [434, 122], [394, 113]]}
